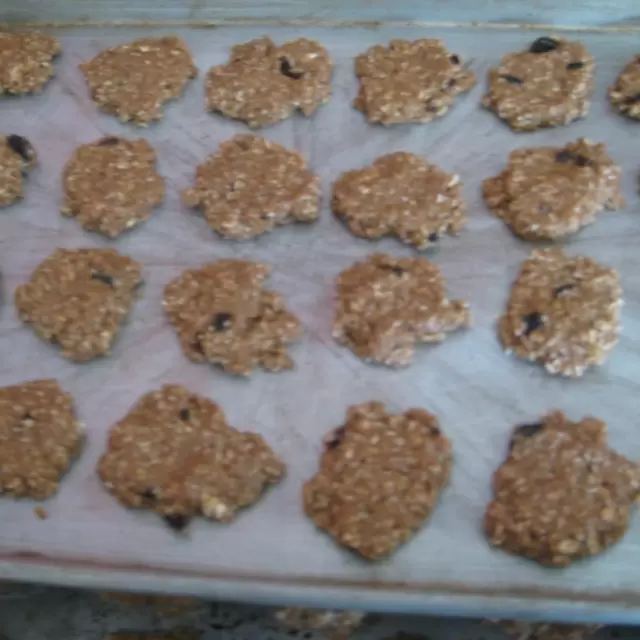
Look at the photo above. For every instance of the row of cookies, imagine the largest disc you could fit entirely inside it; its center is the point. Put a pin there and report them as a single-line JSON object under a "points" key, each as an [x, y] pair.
{"points": [[547, 84], [564, 311], [560, 495], [251, 186]]}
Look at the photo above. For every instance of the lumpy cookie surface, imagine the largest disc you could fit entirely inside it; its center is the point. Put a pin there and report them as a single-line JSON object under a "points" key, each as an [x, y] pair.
{"points": [[223, 315], [39, 438], [561, 494], [26, 61], [264, 83], [17, 158], [380, 478], [564, 312], [546, 85], [175, 454], [624, 95], [77, 299], [251, 185], [409, 81], [547, 193], [133, 81], [387, 305], [402, 195], [112, 185]]}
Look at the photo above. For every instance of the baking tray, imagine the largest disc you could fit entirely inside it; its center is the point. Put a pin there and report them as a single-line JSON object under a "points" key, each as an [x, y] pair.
{"points": [[272, 553]]}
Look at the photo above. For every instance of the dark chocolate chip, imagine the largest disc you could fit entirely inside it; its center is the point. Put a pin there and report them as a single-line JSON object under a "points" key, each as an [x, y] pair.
{"points": [[222, 321], [185, 414], [109, 141], [528, 430], [21, 146], [287, 70], [397, 269], [561, 289], [575, 65], [335, 439], [177, 521], [149, 494], [451, 83], [434, 237], [105, 278], [543, 45], [455, 58], [512, 79], [533, 322], [567, 157], [632, 99]]}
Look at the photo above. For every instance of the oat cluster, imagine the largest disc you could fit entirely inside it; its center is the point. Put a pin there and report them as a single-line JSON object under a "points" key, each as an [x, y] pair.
{"points": [[625, 93]]}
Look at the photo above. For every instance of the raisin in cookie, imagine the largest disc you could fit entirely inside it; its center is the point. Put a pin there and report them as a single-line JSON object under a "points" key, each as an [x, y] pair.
{"points": [[400, 194], [251, 185], [39, 438], [547, 193], [223, 315], [386, 305], [17, 158], [380, 478], [562, 494], [175, 454], [77, 299], [133, 81], [409, 81], [625, 94], [547, 85], [564, 312], [263, 83], [26, 61]]}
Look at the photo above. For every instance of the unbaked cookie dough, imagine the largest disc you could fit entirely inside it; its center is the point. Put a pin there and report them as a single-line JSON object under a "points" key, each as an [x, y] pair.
{"points": [[625, 94], [26, 61], [263, 83], [547, 85], [223, 315], [380, 478], [17, 158], [564, 312], [409, 81], [251, 185], [112, 185], [386, 305], [547, 193], [402, 195], [562, 494], [39, 438], [133, 81], [175, 454], [77, 299]]}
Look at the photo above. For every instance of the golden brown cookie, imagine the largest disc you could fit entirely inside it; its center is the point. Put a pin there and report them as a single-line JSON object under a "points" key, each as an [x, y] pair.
{"points": [[26, 61], [77, 299], [380, 478], [401, 195], [39, 438], [388, 305], [546, 85], [564, 312], [175, 454], [17, 158], [112, 185], [251, 185], [263, 83], [223, 315], [133, 81], [547, 193], [561, 494], [624, 95], [409, 81]]}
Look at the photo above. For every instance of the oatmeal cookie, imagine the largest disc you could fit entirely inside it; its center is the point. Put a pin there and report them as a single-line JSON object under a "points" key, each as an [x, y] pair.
{"points": [[564, 312], [77, 299], [402, 195], [409, 81], [625, 94], [39, 438], [133, 81], [547, 193], [561, 494], [175, 454], [223, 315], [263, 83], [386, 305], [380, 478], [17, 158], [547, 85], [251, 185], [112, 185]]}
